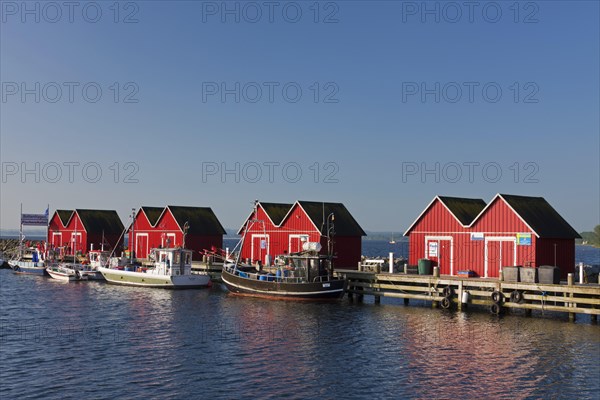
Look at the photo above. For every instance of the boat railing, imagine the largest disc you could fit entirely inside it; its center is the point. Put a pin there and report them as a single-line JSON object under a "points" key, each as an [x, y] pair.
{"points": [[322, 278], [231, 268]]}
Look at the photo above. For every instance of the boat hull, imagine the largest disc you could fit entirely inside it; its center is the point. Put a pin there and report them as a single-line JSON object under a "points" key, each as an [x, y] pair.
{"points": [[66, 276], [130, 278], [28, 268], [310, 291]]}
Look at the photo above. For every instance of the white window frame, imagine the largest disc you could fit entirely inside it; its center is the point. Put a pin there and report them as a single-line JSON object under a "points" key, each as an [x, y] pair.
{"points": [[173, 237], [297, 236], [59, 234], [73, 241]]}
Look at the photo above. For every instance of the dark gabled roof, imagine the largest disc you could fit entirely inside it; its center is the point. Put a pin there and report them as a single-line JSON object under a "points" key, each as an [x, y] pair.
{"points": [[541, 217], [276, 211], [344, 223], [465, 210], [152, 213], [65, 216], [202, 220], [98, 221]]}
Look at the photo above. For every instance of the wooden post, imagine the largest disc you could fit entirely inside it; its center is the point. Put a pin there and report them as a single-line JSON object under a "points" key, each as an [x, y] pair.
{"points": [[570, 284], [359, 266], [406, 301], [436, 272], [377, 299]]}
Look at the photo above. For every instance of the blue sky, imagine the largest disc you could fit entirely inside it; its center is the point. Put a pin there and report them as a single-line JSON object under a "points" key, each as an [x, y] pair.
{"points": [[488, 103]]}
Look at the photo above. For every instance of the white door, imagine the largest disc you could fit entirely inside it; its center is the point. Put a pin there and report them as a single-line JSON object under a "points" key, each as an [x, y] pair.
{"points": [[141, 245], [500, 251], [440, 250], [260, 247]]}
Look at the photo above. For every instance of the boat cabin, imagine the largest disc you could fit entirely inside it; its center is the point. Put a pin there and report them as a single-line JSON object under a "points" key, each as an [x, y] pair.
{"points": [[171, 262], [98, 258]]}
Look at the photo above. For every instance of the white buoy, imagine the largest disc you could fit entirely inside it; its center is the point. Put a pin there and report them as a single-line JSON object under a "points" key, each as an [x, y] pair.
{"points": [[391, 263], [581, 272], [465, 297]]}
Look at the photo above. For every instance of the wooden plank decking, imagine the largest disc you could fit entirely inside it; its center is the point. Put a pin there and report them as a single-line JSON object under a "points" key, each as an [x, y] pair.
{"points": [[447, 292]]}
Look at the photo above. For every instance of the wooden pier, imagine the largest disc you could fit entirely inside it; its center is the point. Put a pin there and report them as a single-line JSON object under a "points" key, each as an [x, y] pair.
{"points": [[211, 267], [452, 292]]}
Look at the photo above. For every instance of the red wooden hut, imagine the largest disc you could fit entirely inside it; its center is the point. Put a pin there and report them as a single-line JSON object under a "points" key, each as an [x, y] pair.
{"points": [[76, 231], [441, 229], [155, 227], [466, 234], [275, 228]]}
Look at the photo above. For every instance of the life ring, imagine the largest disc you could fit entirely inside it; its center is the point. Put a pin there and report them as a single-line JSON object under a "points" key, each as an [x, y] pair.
{"points": [[497, 297], [448, 291], [516, 297], [445, 303], [496, 309]]}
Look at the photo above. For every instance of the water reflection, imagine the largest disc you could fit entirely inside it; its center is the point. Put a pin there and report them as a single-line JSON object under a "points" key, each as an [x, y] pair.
{"points": [[138, 343]]}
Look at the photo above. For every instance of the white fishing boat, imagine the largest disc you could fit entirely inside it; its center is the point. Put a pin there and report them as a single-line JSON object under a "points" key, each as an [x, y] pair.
{"points": [[172, 269], [28, 262], [97, 259], [66, 272]]}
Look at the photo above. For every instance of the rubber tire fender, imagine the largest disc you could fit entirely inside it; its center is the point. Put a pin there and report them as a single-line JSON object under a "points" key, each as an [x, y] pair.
{"points": [[497, 297], [496, 309], [445, 303], [448, 291], [516, 296]]}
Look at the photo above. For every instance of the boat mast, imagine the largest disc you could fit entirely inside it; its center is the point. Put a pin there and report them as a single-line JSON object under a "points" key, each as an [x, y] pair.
{"points": [[75, 238], [21, 234], [246, 229], [132, 235], [330, 243], [46, 252]]}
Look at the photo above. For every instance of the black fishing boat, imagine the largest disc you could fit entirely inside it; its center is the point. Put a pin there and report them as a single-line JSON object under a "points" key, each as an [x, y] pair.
{"points": [[298, 276], [305, 275]]}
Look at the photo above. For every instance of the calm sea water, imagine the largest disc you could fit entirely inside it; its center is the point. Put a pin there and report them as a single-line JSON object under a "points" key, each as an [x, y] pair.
{"points": [[94, 340]]}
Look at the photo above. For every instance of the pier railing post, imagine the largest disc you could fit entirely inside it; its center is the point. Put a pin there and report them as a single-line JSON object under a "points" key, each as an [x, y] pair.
{"points": [[391, 263], [570, 284]]}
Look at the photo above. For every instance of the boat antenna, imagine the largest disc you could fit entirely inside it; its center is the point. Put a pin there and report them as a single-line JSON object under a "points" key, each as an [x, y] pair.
{"points": [[186, 227]]}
